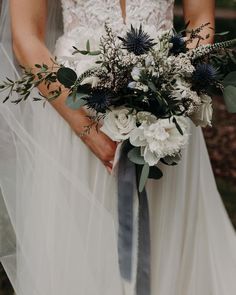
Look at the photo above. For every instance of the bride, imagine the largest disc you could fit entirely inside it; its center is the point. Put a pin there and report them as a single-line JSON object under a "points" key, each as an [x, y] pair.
{"points": [[58, 189]]}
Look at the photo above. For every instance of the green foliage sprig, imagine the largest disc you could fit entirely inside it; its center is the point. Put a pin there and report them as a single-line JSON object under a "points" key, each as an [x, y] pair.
{"points": [[30, 79]]}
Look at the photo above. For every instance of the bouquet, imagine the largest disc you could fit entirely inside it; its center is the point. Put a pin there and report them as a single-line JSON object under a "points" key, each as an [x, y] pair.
{"points": [[145, 90]]}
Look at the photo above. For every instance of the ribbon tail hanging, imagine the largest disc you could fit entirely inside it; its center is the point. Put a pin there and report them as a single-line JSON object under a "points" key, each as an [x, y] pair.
{"points": [[127, 176], [143, 280], [126, 185]]}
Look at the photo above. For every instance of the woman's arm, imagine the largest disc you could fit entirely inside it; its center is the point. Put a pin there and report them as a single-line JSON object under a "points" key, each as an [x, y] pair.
{"points": [[28, 20], [200, 12]]}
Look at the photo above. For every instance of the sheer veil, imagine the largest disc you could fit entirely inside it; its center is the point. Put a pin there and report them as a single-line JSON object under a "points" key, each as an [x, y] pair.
{"points": [[13, 126], [25, 155]]}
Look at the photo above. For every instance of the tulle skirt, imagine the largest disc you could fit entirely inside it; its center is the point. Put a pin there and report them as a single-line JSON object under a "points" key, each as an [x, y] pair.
{"points": [[62, 205], [63, 208]]}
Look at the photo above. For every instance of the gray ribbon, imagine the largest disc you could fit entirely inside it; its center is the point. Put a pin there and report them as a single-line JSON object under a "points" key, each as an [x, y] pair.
{"points": [[126, 180], [143, 268], [126, 185]]}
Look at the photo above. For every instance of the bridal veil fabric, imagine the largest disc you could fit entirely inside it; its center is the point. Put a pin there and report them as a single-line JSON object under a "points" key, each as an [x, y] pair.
{"points": [[58, 218]]}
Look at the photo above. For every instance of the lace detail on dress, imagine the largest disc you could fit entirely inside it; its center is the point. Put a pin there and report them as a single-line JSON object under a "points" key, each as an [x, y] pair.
{"points": [[84, 19], [93, 13]]}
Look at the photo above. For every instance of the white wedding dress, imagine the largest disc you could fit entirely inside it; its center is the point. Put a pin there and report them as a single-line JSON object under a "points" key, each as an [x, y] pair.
{"points": [[63, 204]]}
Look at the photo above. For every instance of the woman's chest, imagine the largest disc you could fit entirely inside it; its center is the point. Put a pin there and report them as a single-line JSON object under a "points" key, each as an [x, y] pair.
{"points": [[94, 13]]}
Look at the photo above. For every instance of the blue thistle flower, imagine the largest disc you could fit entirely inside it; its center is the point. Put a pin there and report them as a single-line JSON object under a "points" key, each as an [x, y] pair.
{"points": [[178, 44], [203, 76], [137, 41], [99, 100]]}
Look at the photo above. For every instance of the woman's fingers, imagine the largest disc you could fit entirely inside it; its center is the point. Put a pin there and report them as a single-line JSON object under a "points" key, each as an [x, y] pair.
{"points": [[98, 142], [109, 169]]}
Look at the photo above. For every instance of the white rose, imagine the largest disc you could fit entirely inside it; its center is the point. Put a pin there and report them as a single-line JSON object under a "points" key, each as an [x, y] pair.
{"points": [[203, 116], [118, 124]]}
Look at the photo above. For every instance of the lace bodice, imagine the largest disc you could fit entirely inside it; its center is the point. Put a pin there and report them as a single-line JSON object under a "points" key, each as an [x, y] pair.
{"points": [[93, 13], [84, 19]]}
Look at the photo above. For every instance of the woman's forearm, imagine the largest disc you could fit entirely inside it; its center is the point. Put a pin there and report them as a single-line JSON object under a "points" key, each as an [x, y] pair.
{"points": [[28, 32], [33, 51], [103, 147], [28, 35], [199, 12]]}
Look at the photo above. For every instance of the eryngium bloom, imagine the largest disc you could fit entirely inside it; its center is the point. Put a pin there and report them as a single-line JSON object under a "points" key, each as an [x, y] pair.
{"points": [[137, 41], [99, 100], [203, 76], [178, 44]]}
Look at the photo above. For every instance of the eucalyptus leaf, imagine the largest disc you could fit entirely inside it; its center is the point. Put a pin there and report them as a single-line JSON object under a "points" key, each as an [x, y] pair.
{"points": [[76, 102], [230, 79], [143, 177], [81, 95], [84, 52], [232, 55], [6, 99], [222, 33], [134, 156], [155, 173], [66, 77], [230, 98], [9, 80], [96, 52], [44, 68], [152, 86]]}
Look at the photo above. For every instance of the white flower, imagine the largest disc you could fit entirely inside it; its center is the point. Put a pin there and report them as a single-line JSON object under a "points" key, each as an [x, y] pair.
{"points": [[93, 81], [190, 99], [203, 115], [160, 139], [138, 86], [180, 65], [146, 117], [132, 84], [137, 137], [118, 124], [135, 74], [149, 61], [181, 88]]}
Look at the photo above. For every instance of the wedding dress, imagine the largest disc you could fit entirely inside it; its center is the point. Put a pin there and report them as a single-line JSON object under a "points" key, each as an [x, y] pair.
{"points": [[62, 203]]}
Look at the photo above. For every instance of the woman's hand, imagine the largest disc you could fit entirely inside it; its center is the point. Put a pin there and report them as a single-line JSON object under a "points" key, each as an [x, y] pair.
{"points": [[99, 143], [102, 146]]}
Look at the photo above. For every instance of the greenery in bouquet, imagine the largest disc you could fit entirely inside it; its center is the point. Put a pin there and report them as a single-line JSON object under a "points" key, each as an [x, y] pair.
{"points": [[145, 90]]}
